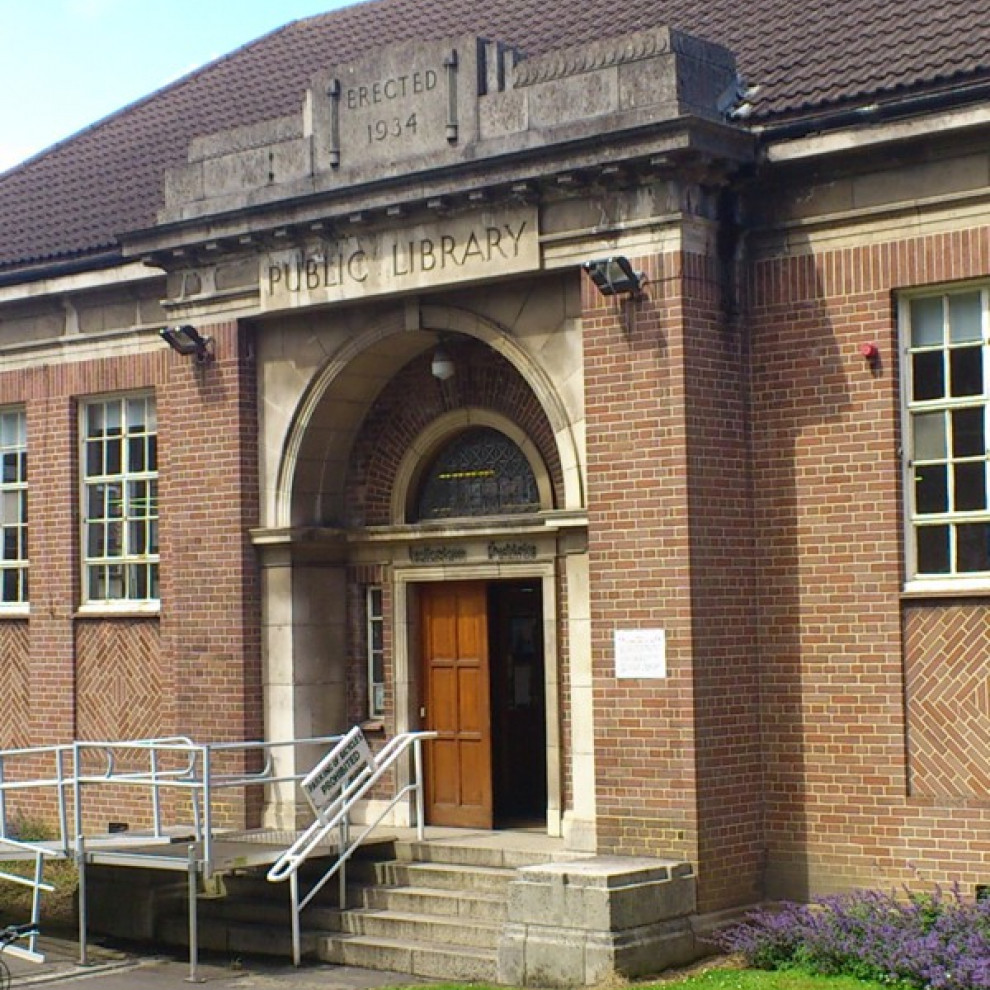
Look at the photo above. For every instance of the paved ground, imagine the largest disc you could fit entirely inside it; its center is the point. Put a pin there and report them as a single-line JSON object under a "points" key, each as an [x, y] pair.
{"points": [[115, 969]]}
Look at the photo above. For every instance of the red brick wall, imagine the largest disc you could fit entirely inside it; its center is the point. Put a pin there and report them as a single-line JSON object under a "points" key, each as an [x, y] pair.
{"points": [[678, 760], [14, 711], [103, 677], [828, 495], [210, 581], [946, 646], [639, 557], [729, 763]]}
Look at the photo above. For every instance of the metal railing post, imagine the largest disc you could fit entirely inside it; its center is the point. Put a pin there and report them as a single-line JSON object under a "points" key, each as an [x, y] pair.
{"points": [[191, 878], [418, 771], [296, 939], [81, 867], [156, 804], [207, 830]]}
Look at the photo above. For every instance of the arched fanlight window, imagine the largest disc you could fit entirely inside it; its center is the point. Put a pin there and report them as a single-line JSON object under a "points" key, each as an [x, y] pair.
{"points": [[481, 472]]}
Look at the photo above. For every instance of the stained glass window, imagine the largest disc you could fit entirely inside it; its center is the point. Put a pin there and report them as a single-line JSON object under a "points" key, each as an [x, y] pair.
{"points": [[480, 473]]}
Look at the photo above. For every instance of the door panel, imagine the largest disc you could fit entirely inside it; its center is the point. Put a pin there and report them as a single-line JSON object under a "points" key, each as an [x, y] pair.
{"points": [[457, 703]]}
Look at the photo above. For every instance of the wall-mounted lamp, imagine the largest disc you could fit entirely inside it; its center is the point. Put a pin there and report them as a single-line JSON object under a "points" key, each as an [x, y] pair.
{"points": [[189, 342], [615, 276], [442, 365]]}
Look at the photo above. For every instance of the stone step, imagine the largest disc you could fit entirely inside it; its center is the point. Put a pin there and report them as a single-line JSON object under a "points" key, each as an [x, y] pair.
{"points": [[447, 876], [224, 935], [458, 854], [416, 958], [397, 926], [474, 905]]}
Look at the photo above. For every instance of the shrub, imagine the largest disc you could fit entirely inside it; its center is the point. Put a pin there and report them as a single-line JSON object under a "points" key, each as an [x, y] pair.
{"points": [[932, 941]]}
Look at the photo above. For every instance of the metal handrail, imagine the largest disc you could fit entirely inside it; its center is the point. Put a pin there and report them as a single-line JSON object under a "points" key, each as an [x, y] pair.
{"points": [[337, 817], [37, 884]]}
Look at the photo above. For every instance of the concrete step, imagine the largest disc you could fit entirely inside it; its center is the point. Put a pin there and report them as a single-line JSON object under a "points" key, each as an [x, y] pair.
{"points": [[223, 935], [468, 855], [447, 876], [470, 905], [416, 958], [398, 926]]}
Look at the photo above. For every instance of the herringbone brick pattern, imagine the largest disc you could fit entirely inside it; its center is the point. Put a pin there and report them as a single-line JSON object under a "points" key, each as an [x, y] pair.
{"points": [[119, 680], [948, 700], [14, 648]]}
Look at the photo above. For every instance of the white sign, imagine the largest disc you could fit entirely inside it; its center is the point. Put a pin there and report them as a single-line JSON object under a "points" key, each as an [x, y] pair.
{"points": [[323, 784], [640, 653]]}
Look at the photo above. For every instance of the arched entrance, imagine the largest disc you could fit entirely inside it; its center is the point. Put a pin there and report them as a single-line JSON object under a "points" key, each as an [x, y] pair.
{"points": [[368, 526]]}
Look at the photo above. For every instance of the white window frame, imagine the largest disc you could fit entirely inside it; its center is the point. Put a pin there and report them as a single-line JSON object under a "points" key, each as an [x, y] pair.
{"points": [[14, 503], [137, 521], [958, 581], [374, 609]]}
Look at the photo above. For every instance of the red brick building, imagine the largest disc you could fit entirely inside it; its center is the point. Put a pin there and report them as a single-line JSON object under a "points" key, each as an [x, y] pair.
{"points": [[699, 567]]}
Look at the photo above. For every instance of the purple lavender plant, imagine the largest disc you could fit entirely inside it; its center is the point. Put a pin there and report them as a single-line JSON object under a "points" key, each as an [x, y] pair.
{"points": [[930, 941]]}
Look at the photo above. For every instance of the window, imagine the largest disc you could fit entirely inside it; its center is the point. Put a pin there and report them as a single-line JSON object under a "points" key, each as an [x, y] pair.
{"points": [[947, 397], [376, 653], [13, 508], [120, 500], [480, 473]]}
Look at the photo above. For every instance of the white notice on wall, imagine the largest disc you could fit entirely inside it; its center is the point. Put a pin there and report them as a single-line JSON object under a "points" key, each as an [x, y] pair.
{"points": [[640, 653]]}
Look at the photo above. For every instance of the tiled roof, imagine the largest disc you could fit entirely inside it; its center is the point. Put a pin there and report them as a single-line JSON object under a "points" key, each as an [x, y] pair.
{"points": [[72, 200]]}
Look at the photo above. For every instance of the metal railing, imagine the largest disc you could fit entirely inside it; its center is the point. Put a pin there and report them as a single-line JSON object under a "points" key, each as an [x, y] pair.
{"points": [[336, 818], [15, 849], [198, 770]]}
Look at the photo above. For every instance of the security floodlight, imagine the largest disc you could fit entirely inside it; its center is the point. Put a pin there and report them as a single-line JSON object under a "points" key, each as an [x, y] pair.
{"points": [[189, 342], [614, 276]]}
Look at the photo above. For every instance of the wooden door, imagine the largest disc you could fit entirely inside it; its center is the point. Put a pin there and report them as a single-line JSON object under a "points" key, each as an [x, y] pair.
{"points": [[456, 703]]}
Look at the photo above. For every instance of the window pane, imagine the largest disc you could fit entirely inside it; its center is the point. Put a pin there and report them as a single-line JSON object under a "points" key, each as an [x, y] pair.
{"points": [[965, 317], [10, 465], [136, 534], [930, 490], [112, 419], [113, 462], [970, 486], [968, 427], [973, 547], [97, 583], [95, 541], [136, 460], [929, 436], [94, 420], [94, 459], [928, 375], [115, 546], [926, 322], [136, 416], [933, 549], [10, 590], [966, 365]]}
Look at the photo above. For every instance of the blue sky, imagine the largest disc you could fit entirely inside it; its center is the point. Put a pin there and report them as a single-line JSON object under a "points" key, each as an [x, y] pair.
{"points": [[64, 64]]}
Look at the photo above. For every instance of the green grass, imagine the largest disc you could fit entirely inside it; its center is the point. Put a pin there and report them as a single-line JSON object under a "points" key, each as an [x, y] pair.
{"points": [[723, 979], [756, 979]]}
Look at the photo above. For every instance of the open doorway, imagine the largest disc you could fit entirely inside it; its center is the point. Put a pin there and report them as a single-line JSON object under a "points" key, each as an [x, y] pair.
{"points": [[519, 734], [483, 687]]}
